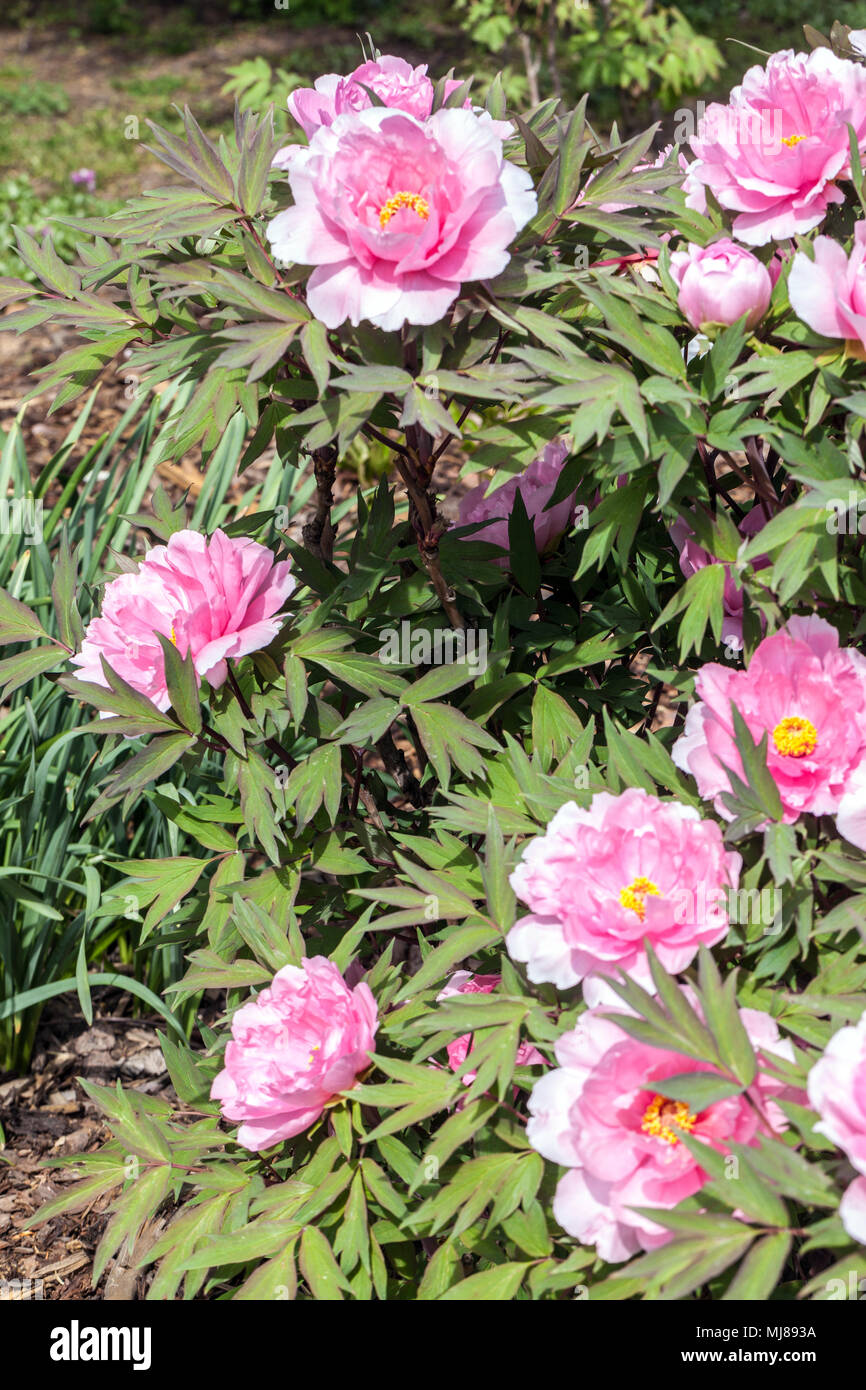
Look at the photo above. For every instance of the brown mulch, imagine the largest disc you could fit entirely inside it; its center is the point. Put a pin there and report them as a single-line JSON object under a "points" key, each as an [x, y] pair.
{"points": [[46, 1114]]}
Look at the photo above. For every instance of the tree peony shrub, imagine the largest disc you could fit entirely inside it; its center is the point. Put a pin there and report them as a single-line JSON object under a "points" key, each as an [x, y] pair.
{"points": [[382, 802]]}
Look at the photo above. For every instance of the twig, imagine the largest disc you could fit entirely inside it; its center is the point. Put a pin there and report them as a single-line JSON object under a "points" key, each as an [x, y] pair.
{"points": [[318, 532]]}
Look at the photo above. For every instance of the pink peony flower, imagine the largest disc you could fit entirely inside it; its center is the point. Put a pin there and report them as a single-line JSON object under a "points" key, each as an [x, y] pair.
{"points": [[536, 487], [829, 293], [463, 982], [601, 1115], [395, 82], [217, 597], [774, 153], [809, 695], [395, 214], [837, 1090], [693, 557], [601, 880], [719, 283], [299, 1043]]}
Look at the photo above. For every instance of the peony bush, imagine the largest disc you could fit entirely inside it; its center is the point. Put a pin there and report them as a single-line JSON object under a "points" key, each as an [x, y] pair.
{"points": [[516, 799]]}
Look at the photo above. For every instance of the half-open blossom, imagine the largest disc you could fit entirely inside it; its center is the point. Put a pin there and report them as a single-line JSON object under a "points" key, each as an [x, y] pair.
{"points": [[829, 292], [395, 82], [693, 557], [299, 1043], [464, 982], [602, 1115], [808, 695], [774, 153], [719, 283], [600, 880], [395, 214], [536, 487], [218, 597]]}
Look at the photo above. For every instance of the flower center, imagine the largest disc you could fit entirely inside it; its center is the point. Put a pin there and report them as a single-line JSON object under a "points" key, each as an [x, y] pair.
{"points": [[661, 1113], [791, 140], [400, 200], [633, 896], [795, 737]]}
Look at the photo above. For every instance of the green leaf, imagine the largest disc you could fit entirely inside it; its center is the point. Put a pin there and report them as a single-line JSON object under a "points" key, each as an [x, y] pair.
{"points": [[498, 1285], [18, 623], [698, 1089], [319, 1267], [761, 1270]]}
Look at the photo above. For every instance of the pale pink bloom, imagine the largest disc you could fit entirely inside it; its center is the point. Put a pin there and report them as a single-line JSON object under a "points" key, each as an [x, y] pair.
{"points": [[298, 1044], [536, 487], [809, 695], [600, 1114], [852, 1210], [464, 982], [837, 1090], [719, 283], [395, 82], [395, 214], [218, 597], [857, 40], [600, 880], [774, 153], [693, 557], [829, 292]]}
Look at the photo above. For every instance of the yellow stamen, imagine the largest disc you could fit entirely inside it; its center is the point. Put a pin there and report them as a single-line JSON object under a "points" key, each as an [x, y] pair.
{"points": [[316, 1049], [172, 637], [661, 1113], [634, 895], [795, 737], [414, 201], [791, 140]]}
